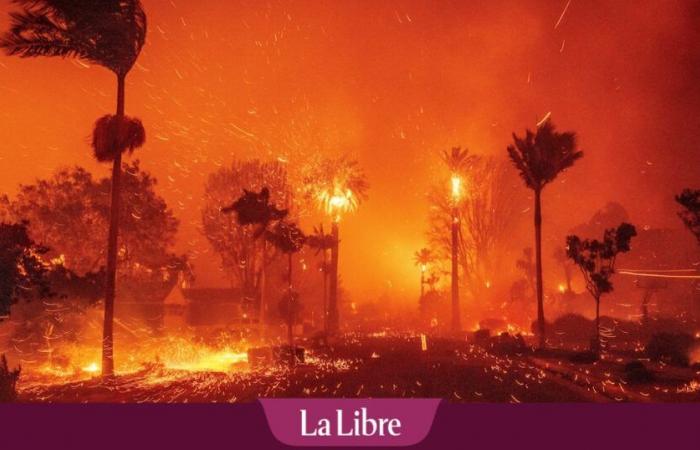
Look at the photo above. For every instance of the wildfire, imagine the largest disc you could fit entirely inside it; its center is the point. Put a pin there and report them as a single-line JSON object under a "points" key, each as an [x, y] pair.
{"points": [[91, 368], [337, 202], [456, 187], [79, 362]]}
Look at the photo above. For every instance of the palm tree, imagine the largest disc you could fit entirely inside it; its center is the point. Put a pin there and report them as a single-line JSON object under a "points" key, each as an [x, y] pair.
{"points": [[540, 157], [458, 162], [109, 33], [322, 242], [289, 239], [338, 186], [423, 258]]}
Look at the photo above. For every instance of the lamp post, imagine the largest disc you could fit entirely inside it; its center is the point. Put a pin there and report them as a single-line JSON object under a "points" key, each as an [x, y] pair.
{"points": [[456, 194]]}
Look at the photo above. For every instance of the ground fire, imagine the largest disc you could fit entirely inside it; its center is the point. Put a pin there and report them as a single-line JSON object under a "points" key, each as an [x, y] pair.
{"points": [[477, 201]]}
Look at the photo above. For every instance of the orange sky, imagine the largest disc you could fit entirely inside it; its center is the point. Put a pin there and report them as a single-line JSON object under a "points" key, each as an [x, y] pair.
{"points": [[393, 83]]}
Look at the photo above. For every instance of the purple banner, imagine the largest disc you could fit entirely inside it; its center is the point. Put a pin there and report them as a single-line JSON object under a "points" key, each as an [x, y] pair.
{"points": [[243, 426], [350, 422]]}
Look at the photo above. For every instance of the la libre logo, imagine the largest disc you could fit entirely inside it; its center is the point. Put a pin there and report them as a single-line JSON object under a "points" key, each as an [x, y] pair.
{"points": [[356, 424]]}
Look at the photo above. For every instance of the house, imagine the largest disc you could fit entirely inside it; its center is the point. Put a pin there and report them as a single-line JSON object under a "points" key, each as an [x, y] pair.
{"points": [[203, 308]]}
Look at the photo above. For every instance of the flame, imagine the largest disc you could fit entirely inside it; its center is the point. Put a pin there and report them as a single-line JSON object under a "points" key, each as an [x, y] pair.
{"points": [[91, 368], [561, 287], [337, 202], [456, 187]]}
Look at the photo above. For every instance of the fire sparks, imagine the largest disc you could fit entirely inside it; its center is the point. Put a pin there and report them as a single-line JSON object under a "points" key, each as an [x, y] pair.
{"points": [[337, 202]]}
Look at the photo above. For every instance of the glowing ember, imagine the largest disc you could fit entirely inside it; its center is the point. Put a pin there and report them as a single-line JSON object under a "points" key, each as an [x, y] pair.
{"points": [[93, 367]]}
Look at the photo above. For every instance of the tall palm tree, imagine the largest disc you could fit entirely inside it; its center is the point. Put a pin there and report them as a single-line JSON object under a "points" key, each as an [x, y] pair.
{"points": [[288, 238], [458, 162], [338, 186], [109, 33], [540, 157], [322, 242], [423, 258]]}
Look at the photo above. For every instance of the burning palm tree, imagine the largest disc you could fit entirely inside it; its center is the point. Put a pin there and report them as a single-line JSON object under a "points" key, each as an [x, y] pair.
{"points": [[338, 186], [458, 162], [109, 33], [423, 258], [540, 157]]}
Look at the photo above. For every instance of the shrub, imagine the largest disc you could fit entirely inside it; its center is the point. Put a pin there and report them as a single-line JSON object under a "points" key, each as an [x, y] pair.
{"points": [[637, 372], [8, 381], [585, 357], [671, 348]]}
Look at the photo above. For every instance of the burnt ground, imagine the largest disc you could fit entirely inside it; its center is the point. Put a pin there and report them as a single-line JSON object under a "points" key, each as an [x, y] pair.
{"points": [[392, 366]]}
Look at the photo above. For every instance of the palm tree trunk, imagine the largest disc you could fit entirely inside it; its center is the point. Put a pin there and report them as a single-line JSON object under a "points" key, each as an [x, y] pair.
{"points": [[290, 318], [456, 320], [108, 328], [597, 325], [422, 284], [538, 267], [262, 317], [325, 292], [333, 318]]}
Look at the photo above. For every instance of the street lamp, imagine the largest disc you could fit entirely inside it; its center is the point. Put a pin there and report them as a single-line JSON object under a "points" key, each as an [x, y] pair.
{"points": [[456, 195]]}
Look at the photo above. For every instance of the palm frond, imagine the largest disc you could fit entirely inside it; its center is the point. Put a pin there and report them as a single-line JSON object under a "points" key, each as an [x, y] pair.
{"points": [[110, 33], [111, 136], [539, 157]]}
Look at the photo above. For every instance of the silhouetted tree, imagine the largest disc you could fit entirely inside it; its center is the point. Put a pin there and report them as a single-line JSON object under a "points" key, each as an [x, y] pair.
{"points": [[243, 257], [72, 199], [288, 239], [23, 274], [109, 33], [322, 242], [596, 259], [486, 212], [540, 157], [254, 209], [689, 199]]}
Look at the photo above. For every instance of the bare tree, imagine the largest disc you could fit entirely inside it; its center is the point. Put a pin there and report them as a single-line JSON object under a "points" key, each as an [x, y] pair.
{"points": [[486, 212]]}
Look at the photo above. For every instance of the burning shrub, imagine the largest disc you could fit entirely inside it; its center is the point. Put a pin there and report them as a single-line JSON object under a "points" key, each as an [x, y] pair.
{"points": [[671, 348], [8, 381]]}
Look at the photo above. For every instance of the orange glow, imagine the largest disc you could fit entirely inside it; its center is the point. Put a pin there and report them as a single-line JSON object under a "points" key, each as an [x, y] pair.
{"points": [[209, 90], [338, 202], [456, 192]]}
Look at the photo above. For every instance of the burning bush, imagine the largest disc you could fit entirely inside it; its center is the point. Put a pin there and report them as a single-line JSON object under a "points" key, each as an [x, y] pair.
{"points": [[671, 348], [8, 381]]}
